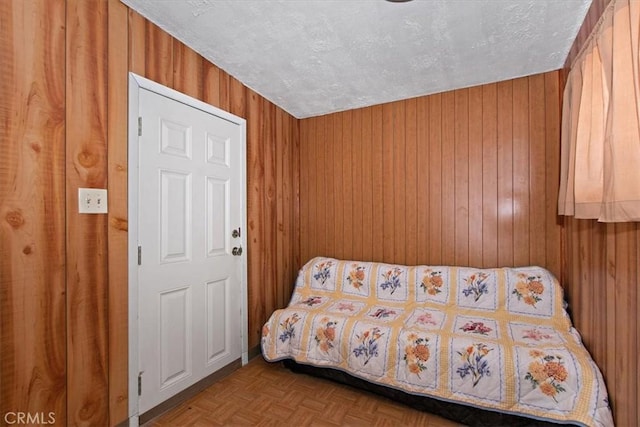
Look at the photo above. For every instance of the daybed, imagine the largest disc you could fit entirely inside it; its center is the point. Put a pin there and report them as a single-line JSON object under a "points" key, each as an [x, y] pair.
{"points": [[495, 339]]}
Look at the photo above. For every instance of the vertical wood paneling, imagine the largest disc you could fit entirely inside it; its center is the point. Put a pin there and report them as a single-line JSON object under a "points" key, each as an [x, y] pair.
{"points": [[461, 182], [356, 180], [448, 171], [296, 166], [158, 55], [378, 176], [399, 194], [460, 177], [602, 259], [70, 278], [368, 195], [537, 166], [346, 238], [609, 255], [505, 173], [117, 105], [490, 175], [553, 222], [434, 161], [422, 184], [137, 42], [211, 85], [269, 256], [320, 159], [238, 101], [601, 287], [411, 184], [388, 180], [86, 236], [520, 181], [287, 188], [32, 208], [329, 179], [312, 166], [338, 192], [475, 176], [256, 210], [224, 88], [281, 247], [187, 70]]}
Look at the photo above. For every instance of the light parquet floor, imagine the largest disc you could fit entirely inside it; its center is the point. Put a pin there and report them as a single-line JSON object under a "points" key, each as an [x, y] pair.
{"points": [[267, 394]]}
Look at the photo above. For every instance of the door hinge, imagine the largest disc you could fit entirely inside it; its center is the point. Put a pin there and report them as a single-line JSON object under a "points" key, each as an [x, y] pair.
{"points": [[140, 384], [140, 126], [139, 255]]}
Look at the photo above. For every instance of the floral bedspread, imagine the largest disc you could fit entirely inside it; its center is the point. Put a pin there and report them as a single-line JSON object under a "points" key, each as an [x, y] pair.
{"points": [[498, 339]]}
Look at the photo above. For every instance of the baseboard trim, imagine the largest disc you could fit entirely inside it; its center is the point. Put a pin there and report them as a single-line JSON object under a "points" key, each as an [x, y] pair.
{"points": [[189, 392], [254, 352]]}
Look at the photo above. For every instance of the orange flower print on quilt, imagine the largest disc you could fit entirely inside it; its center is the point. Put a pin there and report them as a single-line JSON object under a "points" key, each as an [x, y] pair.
{"points": [[547, 372], [529, 289]]}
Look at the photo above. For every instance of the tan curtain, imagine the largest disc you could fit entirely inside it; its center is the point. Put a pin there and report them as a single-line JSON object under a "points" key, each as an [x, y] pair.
{"points": [[600, 162]]}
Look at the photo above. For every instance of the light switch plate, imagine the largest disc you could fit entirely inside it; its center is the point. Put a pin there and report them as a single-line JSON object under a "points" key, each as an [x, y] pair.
{"points": [[92, 200]]}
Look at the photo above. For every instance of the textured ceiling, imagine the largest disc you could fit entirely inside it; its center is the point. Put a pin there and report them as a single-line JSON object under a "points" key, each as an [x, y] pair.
{"points": [[313, 57]]}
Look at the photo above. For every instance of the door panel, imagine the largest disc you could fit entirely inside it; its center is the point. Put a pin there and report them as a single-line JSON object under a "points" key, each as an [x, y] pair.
{"points": [[175, 218], [218, 207], [217, 338], [175, 336], [189, 282]]}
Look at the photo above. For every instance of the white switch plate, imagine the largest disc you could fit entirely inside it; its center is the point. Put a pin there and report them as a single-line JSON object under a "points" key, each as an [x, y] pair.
{"points": [[92, 200]]}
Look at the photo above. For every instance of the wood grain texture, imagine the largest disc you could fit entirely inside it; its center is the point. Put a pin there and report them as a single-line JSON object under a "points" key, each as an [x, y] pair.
{"points": [[187, 70], [448, 171], [79, 264], [456, 178], [554, 254], [505, 173], [602, 290], [32, 209], [87, 49], [158, 54], [378, 178], [490, 217], [462, 162], [476, 174], [434, 162], [411, 183], [422, 176], [117, 161], [86, 235]]}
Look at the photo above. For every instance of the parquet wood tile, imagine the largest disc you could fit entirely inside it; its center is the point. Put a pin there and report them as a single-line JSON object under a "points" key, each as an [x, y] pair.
{"points": [[265, 394]]}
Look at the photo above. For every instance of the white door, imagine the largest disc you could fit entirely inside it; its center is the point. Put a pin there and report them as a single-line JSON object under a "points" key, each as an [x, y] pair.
{"points": [[189, 282]]}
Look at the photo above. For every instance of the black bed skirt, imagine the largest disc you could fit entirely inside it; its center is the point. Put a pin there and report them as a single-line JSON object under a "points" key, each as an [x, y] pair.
{"points": [[463, 414]]}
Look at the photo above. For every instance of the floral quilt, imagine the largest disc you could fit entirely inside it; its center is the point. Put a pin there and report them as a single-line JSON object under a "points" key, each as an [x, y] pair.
{"points": [[498, 339]]}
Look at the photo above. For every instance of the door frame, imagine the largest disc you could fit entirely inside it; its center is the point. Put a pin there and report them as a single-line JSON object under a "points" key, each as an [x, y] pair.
{"points": [[136, 83]]}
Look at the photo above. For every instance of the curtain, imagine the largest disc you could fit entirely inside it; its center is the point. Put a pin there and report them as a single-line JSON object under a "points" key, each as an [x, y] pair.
{"points": [[600, 159]]}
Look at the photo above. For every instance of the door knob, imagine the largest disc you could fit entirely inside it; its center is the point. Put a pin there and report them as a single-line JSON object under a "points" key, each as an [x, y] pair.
{"points": [[235, 233], [237, 251]]}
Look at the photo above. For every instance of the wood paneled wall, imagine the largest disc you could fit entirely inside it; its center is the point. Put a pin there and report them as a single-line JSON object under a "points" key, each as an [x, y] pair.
{"points": [[64, 297], [463, 177], [603, 265], [32, 208], [468, 177], [601, 284]]}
